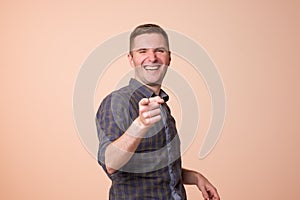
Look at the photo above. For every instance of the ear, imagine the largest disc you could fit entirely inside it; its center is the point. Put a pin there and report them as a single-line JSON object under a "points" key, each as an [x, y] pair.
{"points": [[169, 57], [130, 59]]}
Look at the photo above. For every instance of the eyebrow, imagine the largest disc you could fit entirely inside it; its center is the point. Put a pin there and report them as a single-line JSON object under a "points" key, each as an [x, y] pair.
{"points": [[143, 48], [140, 49]]}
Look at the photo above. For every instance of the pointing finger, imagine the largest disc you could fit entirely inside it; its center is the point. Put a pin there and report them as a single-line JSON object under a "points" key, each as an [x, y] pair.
{"points": [[144, 101], [156, 99]]}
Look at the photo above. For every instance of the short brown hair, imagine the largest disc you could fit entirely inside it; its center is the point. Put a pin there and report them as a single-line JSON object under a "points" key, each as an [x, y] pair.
{"points": [[144, 29]]}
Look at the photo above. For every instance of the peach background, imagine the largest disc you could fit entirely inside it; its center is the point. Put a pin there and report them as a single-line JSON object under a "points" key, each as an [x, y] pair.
{"points": [[254, 44]]}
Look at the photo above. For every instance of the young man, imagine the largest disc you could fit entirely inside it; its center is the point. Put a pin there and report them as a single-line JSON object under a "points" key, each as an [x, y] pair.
{"points": [[139, 146]]}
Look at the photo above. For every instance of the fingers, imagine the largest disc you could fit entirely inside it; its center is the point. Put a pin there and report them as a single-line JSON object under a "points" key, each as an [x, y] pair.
{"points": [[209, 193], [149, 110], [147, 101], [157, 99], [151, 113], [152, 120], [204, 193], [144, 102], [213, 194]]}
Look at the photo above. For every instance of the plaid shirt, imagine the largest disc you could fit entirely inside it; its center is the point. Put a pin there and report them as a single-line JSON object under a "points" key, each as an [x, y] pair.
{"points": [[154, 171]]}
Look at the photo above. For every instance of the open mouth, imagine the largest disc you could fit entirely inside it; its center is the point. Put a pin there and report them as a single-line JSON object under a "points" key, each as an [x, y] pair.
{"points": [[152, 67]]}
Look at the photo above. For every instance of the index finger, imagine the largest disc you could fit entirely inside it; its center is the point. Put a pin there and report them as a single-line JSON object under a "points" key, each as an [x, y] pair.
{"points": [[157, 99], [144, 101]]}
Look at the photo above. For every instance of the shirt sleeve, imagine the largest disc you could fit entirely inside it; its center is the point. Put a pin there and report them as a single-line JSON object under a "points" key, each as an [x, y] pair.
{"points": [[112, 120]]}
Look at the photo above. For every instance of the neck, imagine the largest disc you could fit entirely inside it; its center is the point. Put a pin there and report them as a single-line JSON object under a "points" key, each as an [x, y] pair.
{"points": [[155, 88]]}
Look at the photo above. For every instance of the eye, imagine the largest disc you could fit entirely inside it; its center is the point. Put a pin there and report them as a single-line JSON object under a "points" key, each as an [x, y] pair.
{"points": [[161, 50], [142, 51]]}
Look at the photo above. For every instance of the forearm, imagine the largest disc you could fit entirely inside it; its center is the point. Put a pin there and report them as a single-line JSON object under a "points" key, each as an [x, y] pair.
{"points": [[190, 177], [119, 152]]}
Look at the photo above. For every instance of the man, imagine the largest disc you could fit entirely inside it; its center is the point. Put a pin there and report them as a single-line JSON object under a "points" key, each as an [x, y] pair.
{"points": [[139, 146]]}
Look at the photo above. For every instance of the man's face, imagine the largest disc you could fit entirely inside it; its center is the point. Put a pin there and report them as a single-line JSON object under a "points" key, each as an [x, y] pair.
{"points": [[150, 58]]}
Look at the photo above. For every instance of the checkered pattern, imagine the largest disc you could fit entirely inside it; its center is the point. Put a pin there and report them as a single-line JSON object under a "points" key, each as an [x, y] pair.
{"points": [[151, 173]]}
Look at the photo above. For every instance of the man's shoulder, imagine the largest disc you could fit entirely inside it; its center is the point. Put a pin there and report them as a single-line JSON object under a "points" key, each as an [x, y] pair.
{"points": [[117, 97], [126, 96], [123, 93]]}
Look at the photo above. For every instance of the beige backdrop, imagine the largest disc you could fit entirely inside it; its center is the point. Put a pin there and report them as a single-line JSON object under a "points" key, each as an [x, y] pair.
{"points": [[254, 44]]}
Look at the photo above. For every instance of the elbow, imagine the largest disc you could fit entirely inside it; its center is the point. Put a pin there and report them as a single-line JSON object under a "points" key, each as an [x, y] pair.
{"points": [[110, 166], [110, 170]]}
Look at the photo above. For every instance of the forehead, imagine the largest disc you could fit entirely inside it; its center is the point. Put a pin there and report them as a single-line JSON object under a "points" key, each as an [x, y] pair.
{"points": [[149, 40]]}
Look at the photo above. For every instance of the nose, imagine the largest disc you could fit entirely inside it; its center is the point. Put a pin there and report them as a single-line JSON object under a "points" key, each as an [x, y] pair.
{"points": [[152, 56]]}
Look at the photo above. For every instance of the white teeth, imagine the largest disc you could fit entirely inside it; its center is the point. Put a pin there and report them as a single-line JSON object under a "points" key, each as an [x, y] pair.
{"points": [[151, 67]]}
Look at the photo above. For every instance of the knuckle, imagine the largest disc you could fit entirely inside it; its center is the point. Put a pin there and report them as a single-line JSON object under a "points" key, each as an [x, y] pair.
{"points": [[147, 122], [144, 114], [142, 109]]}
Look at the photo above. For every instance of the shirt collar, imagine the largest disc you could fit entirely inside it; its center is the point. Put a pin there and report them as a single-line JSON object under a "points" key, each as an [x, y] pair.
{"points": [[147, 92]]}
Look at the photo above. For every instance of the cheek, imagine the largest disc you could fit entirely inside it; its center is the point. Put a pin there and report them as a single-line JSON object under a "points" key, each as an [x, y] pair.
{"points": [[139, 59], [164, 59]]}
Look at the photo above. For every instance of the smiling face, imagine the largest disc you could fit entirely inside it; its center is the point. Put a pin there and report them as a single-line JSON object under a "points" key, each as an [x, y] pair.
{"points": [[150, 58]]}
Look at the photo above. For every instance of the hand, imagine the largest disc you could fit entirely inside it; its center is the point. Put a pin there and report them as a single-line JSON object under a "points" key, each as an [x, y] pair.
{"points": [[149, 110], [209, 192]]}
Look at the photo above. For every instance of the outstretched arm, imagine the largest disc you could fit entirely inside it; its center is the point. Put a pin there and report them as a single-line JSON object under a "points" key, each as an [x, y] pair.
{"points": [[119, 152], [209, 192]]}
